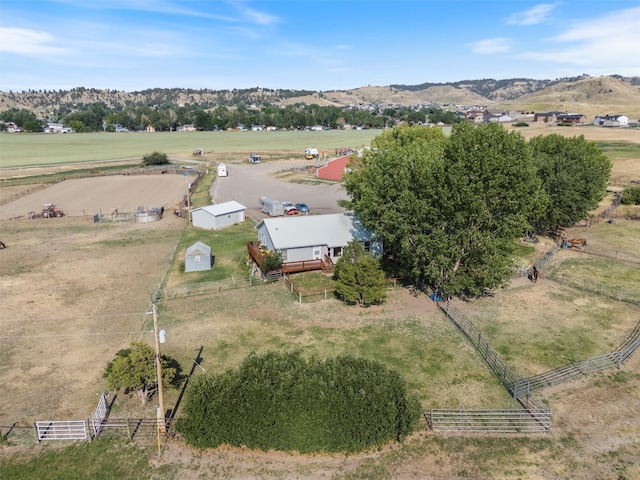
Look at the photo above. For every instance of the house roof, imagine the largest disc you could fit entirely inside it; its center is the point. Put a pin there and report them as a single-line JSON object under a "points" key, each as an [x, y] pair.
{"points": [[199, 248], [333, 230], [222, 208]]}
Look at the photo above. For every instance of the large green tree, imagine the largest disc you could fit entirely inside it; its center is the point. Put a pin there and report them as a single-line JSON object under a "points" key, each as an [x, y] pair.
{"points": [[574, 174], [447, 209], [134, 369], [359, 278]]}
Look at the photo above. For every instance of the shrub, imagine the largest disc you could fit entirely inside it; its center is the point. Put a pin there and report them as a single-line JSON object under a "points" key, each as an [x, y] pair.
{"points": [[271, 260], [631, 196], [155, 158], [281, 401]]}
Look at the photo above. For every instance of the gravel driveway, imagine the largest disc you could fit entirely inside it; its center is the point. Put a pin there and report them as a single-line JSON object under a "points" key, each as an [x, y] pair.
{"points": [[246, 183]]}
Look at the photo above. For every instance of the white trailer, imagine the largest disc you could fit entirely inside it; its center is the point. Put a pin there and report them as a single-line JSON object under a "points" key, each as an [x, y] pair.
{"points": [[271, 207], [222, 170]]}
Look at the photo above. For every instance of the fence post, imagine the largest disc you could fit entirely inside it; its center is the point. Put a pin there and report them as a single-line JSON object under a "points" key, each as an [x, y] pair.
{"points": [[35, 431], [87, 427], [128, 429]]}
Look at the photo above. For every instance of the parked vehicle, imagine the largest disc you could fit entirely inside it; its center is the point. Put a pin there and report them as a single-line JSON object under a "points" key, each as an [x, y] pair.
{"points": [[311, 153], [302, 207], [291, 211], [271, 207], [255, 158], [222, 170]]}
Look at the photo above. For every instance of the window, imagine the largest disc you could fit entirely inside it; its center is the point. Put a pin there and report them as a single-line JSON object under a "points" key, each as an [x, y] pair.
{"points": [[196, 259], [337, 251], [367, 246]]}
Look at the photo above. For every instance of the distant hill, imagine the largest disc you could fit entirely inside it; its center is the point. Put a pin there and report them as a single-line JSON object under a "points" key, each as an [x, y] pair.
{"points": [[584, 94]]}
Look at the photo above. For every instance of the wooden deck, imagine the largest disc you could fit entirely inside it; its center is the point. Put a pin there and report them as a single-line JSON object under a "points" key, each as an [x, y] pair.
{"points": [[325, 264]]}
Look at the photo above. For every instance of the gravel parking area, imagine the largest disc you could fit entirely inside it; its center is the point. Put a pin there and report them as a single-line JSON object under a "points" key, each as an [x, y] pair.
{"points": [[246, 183]]}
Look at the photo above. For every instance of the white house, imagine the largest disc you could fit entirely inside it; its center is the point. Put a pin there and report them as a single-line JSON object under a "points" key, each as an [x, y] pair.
{"points": [[311, 237], [215, 217], [198, 257], [611, 121]]}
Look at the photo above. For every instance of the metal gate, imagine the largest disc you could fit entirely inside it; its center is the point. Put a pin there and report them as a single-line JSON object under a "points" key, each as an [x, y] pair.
{"points": [[62, 430]]}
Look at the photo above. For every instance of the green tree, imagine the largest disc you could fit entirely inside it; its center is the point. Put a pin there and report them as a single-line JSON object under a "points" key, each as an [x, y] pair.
{"points": [[359, 278], [574, 174], [155, 158], [134, 369], [447, 209]]}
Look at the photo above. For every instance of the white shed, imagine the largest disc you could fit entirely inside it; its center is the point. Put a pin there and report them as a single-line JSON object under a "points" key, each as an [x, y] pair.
{"points": [[215, 217], [198, 257]]}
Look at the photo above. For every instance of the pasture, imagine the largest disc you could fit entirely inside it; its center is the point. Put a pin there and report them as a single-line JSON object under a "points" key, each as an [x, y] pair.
{"points": [[74, 293], [32, 150]]}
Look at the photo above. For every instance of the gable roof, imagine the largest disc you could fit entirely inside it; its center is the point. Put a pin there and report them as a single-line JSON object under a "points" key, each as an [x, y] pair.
{"points": [[333, 230], [199, 248], [222, 208]]}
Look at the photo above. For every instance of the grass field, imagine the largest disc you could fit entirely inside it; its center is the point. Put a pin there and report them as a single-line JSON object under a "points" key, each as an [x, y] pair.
{"points": [[48, 149], [97, 278]]}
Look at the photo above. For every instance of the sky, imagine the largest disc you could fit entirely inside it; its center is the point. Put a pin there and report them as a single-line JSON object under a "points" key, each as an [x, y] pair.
{"points": [[133, 45]]}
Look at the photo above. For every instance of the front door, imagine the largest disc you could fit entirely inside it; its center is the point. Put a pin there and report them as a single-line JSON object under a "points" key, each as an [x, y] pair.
{"points": [[317, 253]]}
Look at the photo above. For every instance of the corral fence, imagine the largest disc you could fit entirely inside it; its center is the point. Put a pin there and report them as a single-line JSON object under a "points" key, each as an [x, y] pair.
{"points": [[206, 288], [535, 417], [88, 429], [575, 370], [490, 421], [620, 294], [312, 295]]}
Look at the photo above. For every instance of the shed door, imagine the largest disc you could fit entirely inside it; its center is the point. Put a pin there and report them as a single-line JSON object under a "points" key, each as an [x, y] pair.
{"points": [[317, 253]]}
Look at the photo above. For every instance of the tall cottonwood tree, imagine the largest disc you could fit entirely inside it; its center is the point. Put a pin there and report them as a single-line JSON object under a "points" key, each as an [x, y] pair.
{"points": [[448, 209], [574, 174]]}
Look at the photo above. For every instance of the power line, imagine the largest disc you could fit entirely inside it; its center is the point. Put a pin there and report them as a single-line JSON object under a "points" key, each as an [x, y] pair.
{"points": [[74, 335]]}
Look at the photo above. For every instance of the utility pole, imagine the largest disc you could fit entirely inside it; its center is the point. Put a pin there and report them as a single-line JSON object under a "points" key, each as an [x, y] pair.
{"points": [[162, 426]]}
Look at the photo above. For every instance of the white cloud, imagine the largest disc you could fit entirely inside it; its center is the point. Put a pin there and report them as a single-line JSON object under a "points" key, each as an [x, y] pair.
{"points": [[28, 42], [259, 17], [491, 45], [609, 42], [533, 16]]}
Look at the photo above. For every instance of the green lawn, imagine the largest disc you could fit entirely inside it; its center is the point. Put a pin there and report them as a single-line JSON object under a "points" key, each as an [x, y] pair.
{"points": [[47, 149]]}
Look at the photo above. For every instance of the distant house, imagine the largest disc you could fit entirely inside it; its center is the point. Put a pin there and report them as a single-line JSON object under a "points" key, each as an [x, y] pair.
{"points": [[186, 128], [571, 118], [257, 128], [314, 237], [198, 258], [334, 170], [215, 217], [611, 121], [547, 117]]}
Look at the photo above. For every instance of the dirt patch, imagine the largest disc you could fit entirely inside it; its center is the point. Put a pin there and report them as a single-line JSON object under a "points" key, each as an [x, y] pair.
{"points": [[87, 196]]}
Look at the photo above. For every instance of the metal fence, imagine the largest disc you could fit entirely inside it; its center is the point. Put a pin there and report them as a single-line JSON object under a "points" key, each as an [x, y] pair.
{"points": [[499, 367], [62, 430], [616, 293], [491, 421], [206, 288]]}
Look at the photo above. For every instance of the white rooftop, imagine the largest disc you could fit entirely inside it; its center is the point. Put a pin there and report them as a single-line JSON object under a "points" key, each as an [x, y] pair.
{"points": [[222, 208]]}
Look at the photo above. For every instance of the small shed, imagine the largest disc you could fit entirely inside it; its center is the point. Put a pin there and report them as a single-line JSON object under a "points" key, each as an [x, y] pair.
{"points": [[220, 215], [198, 258]]}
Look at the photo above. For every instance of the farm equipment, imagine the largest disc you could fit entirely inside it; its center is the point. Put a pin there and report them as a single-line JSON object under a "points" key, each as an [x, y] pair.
{"points": [[255, 158], [50, 210], [311, 153]]}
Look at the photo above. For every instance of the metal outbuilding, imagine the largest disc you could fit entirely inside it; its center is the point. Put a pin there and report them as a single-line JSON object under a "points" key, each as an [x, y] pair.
{"points": [[215, 217], [198, 258]]}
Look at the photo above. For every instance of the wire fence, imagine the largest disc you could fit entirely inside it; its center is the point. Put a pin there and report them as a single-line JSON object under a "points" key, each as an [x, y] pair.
{"points": [[604, 290]]}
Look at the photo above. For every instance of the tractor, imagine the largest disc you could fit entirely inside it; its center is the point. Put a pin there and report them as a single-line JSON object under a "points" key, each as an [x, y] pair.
{"points": [[50, 210]]}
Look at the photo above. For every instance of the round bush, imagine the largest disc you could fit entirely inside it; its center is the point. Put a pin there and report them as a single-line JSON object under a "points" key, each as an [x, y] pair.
{"points": [[631, 196], [284, 402]]}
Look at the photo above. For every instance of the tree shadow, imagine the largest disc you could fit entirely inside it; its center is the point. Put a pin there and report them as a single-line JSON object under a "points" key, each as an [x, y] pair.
{"points": [[196, 361]]}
